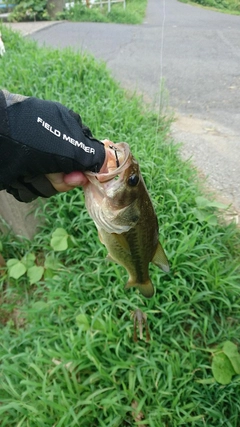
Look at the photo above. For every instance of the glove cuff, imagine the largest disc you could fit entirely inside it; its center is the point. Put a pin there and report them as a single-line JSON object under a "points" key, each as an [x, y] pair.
{"points": [[26, 189]]}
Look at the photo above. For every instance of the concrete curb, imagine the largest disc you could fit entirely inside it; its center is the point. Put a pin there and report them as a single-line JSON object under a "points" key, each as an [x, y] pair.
{"points": [[27, 28]]}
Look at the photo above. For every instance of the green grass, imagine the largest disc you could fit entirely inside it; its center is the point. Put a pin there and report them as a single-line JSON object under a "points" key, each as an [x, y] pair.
{"points": [[67, 356], [133, 14], [226, 6]]}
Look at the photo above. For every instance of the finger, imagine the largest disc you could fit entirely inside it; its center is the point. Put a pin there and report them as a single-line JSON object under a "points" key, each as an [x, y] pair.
{"points": [[75, 179], [62, 182]]}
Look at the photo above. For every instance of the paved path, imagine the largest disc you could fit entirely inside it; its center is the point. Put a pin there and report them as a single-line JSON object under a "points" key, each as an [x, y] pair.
{"points": [[197, 52]]}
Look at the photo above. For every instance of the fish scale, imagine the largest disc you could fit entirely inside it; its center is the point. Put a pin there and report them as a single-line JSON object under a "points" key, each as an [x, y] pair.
{"points": [[125, 218]]}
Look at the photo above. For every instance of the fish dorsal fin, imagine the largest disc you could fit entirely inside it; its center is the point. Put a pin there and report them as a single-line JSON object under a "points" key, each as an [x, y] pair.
{"points": [[160, 259]]}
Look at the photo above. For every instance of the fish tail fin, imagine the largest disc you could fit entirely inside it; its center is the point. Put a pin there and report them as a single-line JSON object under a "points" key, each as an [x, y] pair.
{"points": [[146, 288], [160, 259]]}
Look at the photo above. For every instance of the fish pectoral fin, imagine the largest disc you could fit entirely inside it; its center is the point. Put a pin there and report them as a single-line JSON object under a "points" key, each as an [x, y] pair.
{"points": [[128, 215], [120, 238], [160, 259], [145, 288]]}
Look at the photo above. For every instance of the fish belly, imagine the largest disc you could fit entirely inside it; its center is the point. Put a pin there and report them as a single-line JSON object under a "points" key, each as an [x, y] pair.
{"points": [[134, 253]]}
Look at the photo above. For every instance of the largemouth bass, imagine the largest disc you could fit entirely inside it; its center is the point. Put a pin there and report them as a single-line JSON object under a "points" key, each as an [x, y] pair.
{"points": [[119, 204]]}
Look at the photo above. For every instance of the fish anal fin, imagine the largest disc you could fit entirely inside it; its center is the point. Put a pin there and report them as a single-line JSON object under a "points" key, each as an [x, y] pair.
{"points": [[160, 259], [111, 259], [100, 237], [146, 288]]}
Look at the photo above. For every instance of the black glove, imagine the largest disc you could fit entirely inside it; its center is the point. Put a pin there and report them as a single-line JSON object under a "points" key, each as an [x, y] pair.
{"points": [[40, 137]]}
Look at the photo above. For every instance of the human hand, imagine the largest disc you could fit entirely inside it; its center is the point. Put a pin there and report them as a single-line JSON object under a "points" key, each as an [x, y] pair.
{"points": [[44, 147], [65, 182]]}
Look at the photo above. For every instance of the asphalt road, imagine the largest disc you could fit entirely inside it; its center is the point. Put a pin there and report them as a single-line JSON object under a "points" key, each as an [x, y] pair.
{"points": [[196, 52]]}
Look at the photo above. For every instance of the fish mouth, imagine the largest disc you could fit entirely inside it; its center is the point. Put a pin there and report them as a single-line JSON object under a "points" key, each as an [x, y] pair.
{"points": [[123, 159]]}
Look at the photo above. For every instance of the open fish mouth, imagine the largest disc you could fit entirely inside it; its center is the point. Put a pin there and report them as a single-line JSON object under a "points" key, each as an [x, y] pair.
{"points": [[122, 156]]}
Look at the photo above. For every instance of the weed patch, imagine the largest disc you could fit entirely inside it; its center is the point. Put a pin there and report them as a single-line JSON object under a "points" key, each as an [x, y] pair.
{"points": [[133, 13], [227, 6]]}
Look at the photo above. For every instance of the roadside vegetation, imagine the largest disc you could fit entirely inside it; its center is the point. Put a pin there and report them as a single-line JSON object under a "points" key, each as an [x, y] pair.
{"points": [[67, 355], [227, 6], [37, 10], [133, 13]]}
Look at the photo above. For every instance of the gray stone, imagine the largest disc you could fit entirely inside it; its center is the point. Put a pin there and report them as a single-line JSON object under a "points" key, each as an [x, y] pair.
{"points": [[19, 216]]}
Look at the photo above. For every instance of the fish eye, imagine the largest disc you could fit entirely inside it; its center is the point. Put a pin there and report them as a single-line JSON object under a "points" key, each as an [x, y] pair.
{"points": [[133, 180]]}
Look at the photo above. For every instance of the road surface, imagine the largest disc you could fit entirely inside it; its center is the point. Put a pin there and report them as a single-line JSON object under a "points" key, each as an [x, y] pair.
{"points": [[196, 52]]}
